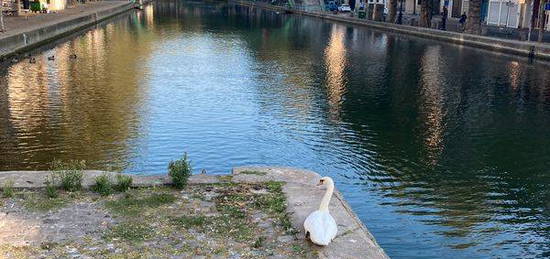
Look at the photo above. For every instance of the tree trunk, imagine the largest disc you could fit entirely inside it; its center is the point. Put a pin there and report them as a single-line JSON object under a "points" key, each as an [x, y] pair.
{"points": [[473, 23], [18, 7], [392, 10], [542, 20], [426, 13], [2, 29]]}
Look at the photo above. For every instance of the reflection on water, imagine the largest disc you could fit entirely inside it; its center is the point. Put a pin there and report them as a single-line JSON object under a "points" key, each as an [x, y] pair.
{"points": [[335, 62], [441, 153]]}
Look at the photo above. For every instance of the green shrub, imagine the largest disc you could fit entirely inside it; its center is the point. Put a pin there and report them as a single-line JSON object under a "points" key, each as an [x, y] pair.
{"points": [[7, 189], [123, 182], [69, 174], [103, 185], [179, 171]]}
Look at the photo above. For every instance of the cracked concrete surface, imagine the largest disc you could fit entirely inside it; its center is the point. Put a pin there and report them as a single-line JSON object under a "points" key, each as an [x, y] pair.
{"points": [[303, 196]]}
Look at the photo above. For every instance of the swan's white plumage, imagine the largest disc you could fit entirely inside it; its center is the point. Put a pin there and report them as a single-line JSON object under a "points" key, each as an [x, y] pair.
{"points": [[320, 226]]}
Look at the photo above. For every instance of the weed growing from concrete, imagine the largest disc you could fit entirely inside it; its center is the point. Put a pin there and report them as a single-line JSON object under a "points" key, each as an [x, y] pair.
{"points": [[103, 185], [191, 221], [179, 171], [131, 231], [51, 189], [7, 189], [275, 203], [123, 182], [69, 174], [43, 204], [298, 249], [259, 242], [132, 206]]}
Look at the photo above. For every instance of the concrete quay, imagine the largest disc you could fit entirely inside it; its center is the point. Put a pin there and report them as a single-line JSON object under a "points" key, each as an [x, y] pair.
{"points": [[303, 197]]}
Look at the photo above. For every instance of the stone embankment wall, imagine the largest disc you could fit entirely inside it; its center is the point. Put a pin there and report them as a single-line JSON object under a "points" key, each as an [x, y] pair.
{"points": [[529, 49], [38, 35]]}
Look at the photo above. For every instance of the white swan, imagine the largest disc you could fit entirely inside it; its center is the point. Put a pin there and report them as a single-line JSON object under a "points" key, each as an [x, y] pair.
{"points": [[320, 225]]}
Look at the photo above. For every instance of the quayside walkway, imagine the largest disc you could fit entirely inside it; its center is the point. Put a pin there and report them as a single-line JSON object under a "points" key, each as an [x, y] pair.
{"points": [[28, 30], [84, 219], [25, 22]]}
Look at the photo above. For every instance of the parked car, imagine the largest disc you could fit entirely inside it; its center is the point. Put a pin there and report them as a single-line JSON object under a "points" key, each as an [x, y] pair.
{"points": [[344, 8]]}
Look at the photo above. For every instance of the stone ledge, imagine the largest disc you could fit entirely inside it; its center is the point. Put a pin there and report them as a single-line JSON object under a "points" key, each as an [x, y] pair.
{"points": [[303, 196], [37, 179]]}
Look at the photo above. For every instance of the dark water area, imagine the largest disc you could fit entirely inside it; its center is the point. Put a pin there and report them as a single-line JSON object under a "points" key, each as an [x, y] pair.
{"points": [[442, 150]]}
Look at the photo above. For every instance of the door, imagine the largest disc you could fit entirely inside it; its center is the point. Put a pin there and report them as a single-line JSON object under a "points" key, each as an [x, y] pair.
{"points": [[457, 7]]}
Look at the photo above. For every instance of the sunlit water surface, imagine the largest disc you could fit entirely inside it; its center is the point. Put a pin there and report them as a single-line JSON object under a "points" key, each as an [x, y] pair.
{"points": [[442, 150]]}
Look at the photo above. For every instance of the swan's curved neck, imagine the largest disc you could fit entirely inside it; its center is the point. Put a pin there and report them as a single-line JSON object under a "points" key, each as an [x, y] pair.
{"points": [[326, 198]]}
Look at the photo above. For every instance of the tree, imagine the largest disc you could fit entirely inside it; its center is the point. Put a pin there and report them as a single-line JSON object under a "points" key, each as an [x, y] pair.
{"points": [[392, 10], [426, 7], [473, 23]]}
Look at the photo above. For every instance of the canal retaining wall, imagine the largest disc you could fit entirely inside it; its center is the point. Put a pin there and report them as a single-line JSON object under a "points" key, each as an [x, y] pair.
{"points": [[32, 37], [353, 239], [522, 48]]}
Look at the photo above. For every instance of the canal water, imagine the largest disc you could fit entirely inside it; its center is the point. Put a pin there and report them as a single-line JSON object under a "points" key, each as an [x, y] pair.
{"points": [[442, 150]]}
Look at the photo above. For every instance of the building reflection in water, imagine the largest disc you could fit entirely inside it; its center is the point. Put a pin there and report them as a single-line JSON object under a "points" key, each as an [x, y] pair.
{"points": [[83, 108], [431, 109], [335, 62]]}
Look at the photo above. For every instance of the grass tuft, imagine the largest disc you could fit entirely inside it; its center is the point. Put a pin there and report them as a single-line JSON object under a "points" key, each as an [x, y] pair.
{"points": [[42, 204], [259, 242], [191, 221], [51, 189], [7, 189], [103, 185], [123, 182], [132, 206], [130, 231], [69, 174]]}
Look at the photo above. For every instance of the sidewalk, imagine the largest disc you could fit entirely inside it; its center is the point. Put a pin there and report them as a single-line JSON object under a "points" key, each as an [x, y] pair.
{"points": [[26, 22], [26, 32], [487, 30]]}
